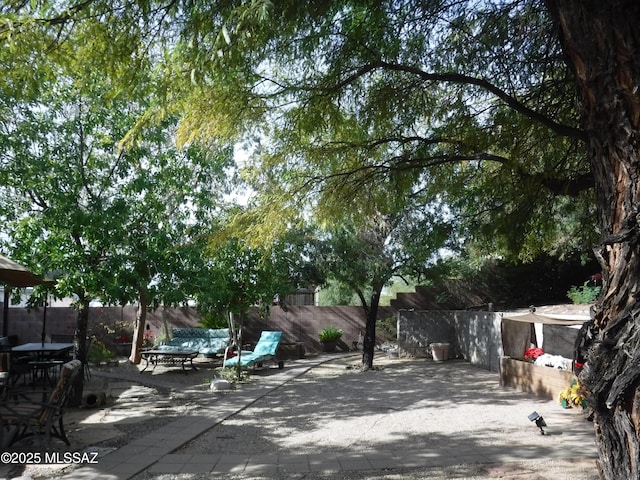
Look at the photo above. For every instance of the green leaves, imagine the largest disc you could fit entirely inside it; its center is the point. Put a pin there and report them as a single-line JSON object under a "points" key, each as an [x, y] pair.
{"points": [[350, 110], [111, 218]]}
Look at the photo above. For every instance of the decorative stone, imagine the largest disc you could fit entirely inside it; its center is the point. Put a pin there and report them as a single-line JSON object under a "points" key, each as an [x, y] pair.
{"points": [[220, 384]]}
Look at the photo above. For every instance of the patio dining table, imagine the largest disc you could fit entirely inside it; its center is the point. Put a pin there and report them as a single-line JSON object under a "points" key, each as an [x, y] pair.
{"points": [[43, 350], [45, 358]]}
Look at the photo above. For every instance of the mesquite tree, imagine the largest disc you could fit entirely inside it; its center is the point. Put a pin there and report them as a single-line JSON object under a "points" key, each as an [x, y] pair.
{"points": [[365, 257], [471, 98], [602, 47]]}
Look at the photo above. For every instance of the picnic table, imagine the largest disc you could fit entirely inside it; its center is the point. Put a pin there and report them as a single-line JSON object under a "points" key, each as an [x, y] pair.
{"points": [[172, 357]]}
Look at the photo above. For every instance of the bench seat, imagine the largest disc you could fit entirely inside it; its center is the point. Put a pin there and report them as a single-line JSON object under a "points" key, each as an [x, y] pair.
{"points": [[206, 341]]}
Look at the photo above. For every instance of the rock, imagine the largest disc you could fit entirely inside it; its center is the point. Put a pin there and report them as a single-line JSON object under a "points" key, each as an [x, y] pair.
{"points": [[220, 384]]}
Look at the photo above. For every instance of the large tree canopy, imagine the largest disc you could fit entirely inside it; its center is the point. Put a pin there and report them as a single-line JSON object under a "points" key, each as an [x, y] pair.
{"points": [[365, 255], [458, 97], [472, 100], [109, 221], [468, 98]]}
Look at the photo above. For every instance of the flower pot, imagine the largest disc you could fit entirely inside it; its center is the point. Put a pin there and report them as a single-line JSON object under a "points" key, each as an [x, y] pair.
{"points": [[440, 351], [123, 349], [329, 346]]}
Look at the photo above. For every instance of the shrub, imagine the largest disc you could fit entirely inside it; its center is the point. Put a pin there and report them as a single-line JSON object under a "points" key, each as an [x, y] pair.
{"points": [[584, 294], [388, 328], [99, 353], [233, 375], [210, 320], [330, 334]]}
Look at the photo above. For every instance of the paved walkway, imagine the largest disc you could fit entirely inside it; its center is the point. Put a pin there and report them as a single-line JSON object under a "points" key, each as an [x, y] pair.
{"points": [[154, 453]]}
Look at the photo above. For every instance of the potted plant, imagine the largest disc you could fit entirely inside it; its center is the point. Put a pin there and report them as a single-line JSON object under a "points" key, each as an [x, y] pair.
{"points": [[329, 337]]}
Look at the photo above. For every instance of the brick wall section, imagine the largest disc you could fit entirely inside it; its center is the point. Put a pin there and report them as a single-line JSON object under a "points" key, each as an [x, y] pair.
{"points": [[303, 323], [26, 324]]}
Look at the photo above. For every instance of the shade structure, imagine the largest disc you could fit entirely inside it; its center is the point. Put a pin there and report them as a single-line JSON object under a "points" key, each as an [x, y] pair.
{"points": [[548, 318], [518, 331], [16, 275]]}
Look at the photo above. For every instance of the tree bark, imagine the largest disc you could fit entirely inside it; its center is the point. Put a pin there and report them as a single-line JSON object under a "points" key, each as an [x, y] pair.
{"points": [[369, 341], [602, 47], [139, 328], [75, 399]]}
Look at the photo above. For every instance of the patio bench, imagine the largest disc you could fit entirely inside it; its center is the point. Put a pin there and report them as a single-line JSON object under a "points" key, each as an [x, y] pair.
{"points": [[205, 341]]}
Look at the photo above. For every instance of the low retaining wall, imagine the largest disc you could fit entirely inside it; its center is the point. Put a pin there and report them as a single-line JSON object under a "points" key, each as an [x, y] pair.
{"points": [[545, 382]]}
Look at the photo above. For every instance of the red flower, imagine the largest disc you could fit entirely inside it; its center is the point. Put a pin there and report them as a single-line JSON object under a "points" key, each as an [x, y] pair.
{"points": [[533, 353]]}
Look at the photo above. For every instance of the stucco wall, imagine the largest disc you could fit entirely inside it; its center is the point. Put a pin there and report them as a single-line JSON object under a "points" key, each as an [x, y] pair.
{"points": [[473, 336], [298, 323]]}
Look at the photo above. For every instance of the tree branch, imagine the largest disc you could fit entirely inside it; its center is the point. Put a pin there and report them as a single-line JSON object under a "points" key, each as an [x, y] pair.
{"points": [[452, 77], [558, 186], [359, 175]]}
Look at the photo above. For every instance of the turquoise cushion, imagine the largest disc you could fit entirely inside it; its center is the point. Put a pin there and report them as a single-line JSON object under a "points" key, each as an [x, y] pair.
{"points": [[219, 333], [264, 350], [207, 341]]}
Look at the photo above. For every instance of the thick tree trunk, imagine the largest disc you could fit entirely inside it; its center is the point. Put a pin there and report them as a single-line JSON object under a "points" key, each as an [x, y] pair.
{"points": [[82, 324], [139, 328], [369, 341], [602, 45]]}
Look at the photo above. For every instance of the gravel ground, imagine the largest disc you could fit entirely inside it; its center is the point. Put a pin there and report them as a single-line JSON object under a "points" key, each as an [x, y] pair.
{"points": [[334, 407], [407, 403]]}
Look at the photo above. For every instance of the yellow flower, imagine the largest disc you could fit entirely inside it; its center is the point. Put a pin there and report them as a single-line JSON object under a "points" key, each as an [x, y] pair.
{"points": [[572, 396]]}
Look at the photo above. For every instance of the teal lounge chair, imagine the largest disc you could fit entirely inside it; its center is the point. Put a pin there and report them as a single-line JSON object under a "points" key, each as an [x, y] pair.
{"points": [[264, 350]]}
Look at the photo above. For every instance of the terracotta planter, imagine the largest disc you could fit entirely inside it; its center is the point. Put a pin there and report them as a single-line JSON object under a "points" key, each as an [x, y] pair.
{"points": [[440, 351]]}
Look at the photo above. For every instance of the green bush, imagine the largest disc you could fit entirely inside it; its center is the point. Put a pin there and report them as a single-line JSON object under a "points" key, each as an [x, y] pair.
{"points": [[99, 353], [330, 334], [234, 375], [584, 294], [211, 320]]}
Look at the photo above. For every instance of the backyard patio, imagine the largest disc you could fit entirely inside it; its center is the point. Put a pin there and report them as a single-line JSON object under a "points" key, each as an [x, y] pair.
{"points": [[319, 416]]}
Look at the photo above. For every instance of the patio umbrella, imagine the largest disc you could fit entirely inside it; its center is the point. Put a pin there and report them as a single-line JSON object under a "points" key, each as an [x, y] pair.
{"points": [[16, 275]]}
